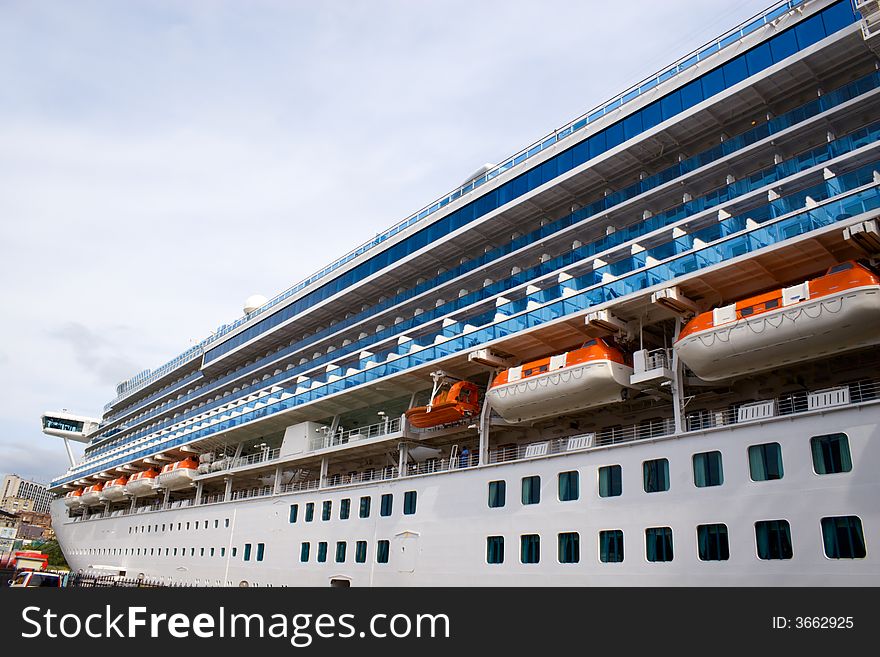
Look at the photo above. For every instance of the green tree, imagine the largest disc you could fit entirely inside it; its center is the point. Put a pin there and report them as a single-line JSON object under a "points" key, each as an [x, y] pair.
{"points": [[56, 556]]}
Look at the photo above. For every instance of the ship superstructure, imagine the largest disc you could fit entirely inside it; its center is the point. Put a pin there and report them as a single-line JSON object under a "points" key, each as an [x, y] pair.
{"points": [[638, 351]]}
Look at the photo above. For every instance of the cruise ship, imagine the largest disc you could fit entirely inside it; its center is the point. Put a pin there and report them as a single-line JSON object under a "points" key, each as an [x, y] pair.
{"points": [[644, 350]]}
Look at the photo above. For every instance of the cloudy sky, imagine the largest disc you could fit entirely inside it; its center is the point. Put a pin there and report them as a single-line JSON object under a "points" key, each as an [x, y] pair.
{"points": [[161, 161]]}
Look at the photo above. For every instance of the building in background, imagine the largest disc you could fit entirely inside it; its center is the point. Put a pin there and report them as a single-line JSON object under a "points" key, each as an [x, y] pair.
{"points": [[17, 494]]}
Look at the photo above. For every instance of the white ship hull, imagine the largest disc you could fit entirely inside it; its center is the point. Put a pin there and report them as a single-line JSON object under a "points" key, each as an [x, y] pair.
{"points": [[808, 330], [555, 393], [446, 537]]}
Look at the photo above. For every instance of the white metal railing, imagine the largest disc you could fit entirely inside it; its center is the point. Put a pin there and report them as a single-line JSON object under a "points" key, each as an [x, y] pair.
{"points": [[432, 465], [295, 486], [792, 403], [657, 359], [342, 437], [253, 459], [213, 498], [243, 494]]}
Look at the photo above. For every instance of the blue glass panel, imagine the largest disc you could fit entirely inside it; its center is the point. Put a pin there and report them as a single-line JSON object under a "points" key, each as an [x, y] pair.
{"points": [[838, 17], [757, 59], [670, 105], [650, 84], [783, 45], [713, 83], [735, 71], [580, 153], [651, 115], [810, 31], [597, 144], [632, 125], [613, 135], [691, 94]]}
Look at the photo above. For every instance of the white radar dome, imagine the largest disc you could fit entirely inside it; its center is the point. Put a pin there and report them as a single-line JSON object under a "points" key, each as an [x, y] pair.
{"points": [[253, 302]]}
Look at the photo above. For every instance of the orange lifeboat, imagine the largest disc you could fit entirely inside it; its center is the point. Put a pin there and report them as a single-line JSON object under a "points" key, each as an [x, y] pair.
{"points": [[114, 490], [594, 375], [450, 402], [833, 313], [91, 495], [142, 483], [71, 500], [178, 475]]}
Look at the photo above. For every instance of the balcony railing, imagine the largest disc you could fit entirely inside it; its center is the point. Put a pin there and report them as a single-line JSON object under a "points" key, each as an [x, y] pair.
{"points": [[789, 404], [343, 437]]}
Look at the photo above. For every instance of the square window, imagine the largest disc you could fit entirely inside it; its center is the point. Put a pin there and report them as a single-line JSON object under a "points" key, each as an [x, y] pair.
{"points": [[765, 462], [569, 488], [773, 539], [530, 548], [843, 537], [497, 494], [494, 549], [382, 552], [658, 544], [360, 552], [344, 509], [708, 470], [656, 475], [831, 454], [531, 490], [569, 547], [611, 546], [322, 551], [409, 502], [365, 507], [386, 504], [712, 543], [610, 484]]}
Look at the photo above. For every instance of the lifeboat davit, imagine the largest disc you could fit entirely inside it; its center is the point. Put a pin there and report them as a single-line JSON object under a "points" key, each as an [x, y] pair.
{"points": [[71, 500], [114, 490], [178, 475], [142, 483], [829, 314], [594, 375], [451, 402], [91, 495]]}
